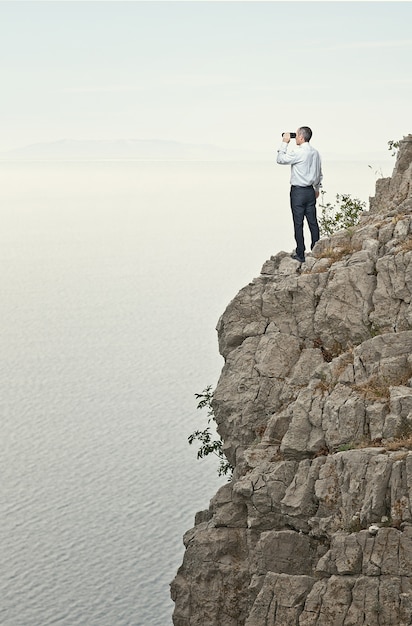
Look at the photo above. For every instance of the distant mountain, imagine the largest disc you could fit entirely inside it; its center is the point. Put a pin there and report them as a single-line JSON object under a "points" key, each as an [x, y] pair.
{"points": [[127, 149]]}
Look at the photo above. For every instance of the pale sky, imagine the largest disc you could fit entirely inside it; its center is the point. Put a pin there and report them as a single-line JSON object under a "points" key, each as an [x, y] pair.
{"points": [[233, 74]]}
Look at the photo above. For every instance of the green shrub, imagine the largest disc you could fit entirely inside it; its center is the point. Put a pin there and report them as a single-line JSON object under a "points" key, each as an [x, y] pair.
{"points": [[393, 146], [209, 445], [344, 214]]}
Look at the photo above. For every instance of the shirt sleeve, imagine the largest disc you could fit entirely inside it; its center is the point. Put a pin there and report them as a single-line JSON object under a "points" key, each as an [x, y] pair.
{"points": [[287, 158]]}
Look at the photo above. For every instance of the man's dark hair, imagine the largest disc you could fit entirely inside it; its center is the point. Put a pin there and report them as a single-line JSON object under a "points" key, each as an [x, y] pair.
{"points": [[306, 133]]}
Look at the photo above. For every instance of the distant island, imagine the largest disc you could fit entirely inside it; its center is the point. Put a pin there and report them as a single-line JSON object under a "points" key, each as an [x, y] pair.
{"points": [[162, 150]]}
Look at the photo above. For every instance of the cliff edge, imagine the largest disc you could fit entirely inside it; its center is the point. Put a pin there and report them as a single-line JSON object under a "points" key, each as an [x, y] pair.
{"points": [[314, 405]]}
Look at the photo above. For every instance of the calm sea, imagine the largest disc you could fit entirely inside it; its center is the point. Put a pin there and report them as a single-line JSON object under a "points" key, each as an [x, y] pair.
{"points": [[113, 276]]}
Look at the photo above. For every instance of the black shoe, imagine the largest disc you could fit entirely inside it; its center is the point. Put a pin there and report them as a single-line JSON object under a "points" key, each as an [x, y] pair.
{"points": [[297, 258]]}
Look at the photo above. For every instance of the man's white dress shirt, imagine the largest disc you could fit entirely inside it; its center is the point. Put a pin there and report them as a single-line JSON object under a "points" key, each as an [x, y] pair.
{"points": [[306, 165]]}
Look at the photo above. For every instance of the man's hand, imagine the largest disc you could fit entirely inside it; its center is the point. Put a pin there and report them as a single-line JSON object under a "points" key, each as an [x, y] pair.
{"points": [[316, 194], [286, 137]]}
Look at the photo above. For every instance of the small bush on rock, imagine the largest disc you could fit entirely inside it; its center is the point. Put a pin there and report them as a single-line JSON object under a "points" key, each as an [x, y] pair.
{"points": [[209, 445], [343, 215]]}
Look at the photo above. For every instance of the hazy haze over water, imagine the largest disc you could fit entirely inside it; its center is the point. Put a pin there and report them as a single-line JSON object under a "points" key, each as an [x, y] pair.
{"points": [[113, 278]]}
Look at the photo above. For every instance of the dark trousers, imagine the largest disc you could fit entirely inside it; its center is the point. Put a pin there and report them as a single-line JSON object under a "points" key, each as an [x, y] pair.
{"points": [[303, 204]]}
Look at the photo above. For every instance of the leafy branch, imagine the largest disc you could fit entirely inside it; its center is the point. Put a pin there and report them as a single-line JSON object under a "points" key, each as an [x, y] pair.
{"points": [[209, 445], [393, 146], [342, 215]]}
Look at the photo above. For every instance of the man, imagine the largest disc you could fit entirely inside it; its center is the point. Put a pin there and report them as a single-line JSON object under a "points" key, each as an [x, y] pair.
{"points": [[305, 181]]}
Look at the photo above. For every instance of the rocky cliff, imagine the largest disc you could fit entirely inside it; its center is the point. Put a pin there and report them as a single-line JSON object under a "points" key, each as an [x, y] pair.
{"points": [[314, 405]]}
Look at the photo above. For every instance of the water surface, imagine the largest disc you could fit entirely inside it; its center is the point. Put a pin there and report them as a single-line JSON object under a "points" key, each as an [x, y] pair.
{"points": [[113, 278]]}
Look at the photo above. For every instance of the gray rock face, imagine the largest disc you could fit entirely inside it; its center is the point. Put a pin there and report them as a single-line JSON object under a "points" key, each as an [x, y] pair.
{"points": [[314, 406]]}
